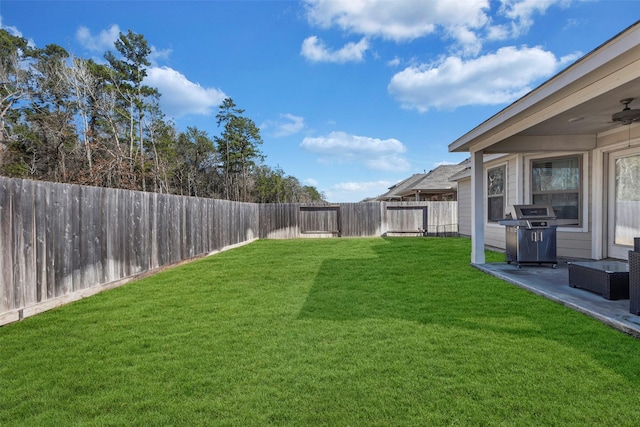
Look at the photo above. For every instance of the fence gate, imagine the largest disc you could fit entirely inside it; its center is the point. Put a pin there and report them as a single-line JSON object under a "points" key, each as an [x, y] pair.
{"points": [[320, 220], [407, 219]]}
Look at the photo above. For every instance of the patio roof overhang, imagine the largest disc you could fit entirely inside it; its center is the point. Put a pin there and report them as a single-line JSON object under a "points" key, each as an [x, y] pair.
{"points": [[570, 110]]}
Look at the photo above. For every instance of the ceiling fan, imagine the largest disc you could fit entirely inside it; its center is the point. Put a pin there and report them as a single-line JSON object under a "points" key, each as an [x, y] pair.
{"points": [[627, 115]]}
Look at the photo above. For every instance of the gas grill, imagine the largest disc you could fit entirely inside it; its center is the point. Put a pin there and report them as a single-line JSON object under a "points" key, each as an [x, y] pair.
{"points": [[531, 235]]}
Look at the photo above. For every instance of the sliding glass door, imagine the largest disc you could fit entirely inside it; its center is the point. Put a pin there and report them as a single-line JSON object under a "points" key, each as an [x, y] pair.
{"points": [[624, 202]]}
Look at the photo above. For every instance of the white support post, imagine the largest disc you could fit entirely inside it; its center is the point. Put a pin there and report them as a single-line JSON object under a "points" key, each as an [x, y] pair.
{"points": [[477, 208]]}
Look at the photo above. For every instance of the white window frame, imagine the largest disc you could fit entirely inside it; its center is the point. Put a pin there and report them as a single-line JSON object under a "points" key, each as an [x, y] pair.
{"points": [[584, 185], [503, 165]]}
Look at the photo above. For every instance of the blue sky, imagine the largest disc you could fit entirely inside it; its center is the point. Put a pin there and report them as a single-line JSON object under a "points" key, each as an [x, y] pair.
{"points": [[351, 96]]}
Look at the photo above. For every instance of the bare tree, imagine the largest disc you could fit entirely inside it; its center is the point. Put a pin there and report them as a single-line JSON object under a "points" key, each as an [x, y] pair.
{"points": [[82, 89]]}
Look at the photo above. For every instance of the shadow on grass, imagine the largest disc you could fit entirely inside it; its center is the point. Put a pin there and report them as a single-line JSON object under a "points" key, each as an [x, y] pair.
{"points": [[433, 283], [427, 283]]}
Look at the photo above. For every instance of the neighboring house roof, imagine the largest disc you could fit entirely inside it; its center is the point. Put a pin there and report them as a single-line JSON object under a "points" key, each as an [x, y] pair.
{"points": [[435, 181], [462, 173], [396, 190]]}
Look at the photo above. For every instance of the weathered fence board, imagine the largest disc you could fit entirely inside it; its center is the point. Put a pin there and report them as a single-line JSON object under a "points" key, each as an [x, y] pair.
{"points": [[361, 219], [406, 219], [294, 220], [280, 221], [58, 240], [7, 245], [320, 220], [442, 219], [61, 242]]}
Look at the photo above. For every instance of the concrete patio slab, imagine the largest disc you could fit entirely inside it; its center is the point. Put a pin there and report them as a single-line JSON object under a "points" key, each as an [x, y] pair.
{"points": [[554, 284]]}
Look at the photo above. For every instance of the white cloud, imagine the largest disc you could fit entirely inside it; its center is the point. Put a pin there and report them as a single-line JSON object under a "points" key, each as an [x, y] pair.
{"points": [[394, 62], [374, 153], [315, 50], [157, 55], [398, 21], [10, 29], [498, 32], [181, 96], [287, 125], [467, 23], [520, 12], [361, 186], [14, 31], [99, 43], [105, 41], [356, 191], [524, 9], [468, 42], [496, 78]]}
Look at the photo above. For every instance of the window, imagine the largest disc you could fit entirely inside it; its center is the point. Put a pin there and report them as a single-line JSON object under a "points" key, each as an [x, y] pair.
{"points": [[495, 193], [556, 182]]}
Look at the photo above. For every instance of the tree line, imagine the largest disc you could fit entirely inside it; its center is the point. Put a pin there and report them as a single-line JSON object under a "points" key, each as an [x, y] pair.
{"points": [[74, 120]]}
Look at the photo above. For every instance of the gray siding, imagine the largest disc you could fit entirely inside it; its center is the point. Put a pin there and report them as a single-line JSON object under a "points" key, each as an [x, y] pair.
{"points": [[464, 207]]}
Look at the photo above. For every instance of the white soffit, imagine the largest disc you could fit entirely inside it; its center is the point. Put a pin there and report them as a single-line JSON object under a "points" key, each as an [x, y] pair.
{"points": [[610, 66]]}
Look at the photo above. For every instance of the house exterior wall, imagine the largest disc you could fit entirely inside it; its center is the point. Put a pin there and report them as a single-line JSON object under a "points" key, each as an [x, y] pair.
{"points": [[589, 241], [464, 207], [574, 245], [571, 241]]}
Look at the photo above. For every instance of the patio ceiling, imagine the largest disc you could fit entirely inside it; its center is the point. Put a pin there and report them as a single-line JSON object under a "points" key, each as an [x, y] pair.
{"points": [[572, 109], [592, 117], [576, 128]]}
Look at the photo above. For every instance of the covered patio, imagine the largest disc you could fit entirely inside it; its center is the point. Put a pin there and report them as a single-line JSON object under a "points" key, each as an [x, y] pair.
{"points": [[554, 285], [573, 143]]}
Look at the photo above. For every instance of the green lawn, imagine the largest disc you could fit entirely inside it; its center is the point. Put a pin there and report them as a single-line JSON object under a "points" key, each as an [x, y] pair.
{"points": [[333, 332]]}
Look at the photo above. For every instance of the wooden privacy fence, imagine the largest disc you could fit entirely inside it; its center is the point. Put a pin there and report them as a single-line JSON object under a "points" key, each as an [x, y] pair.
{"points": [[295, 220], [61, 242]]}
